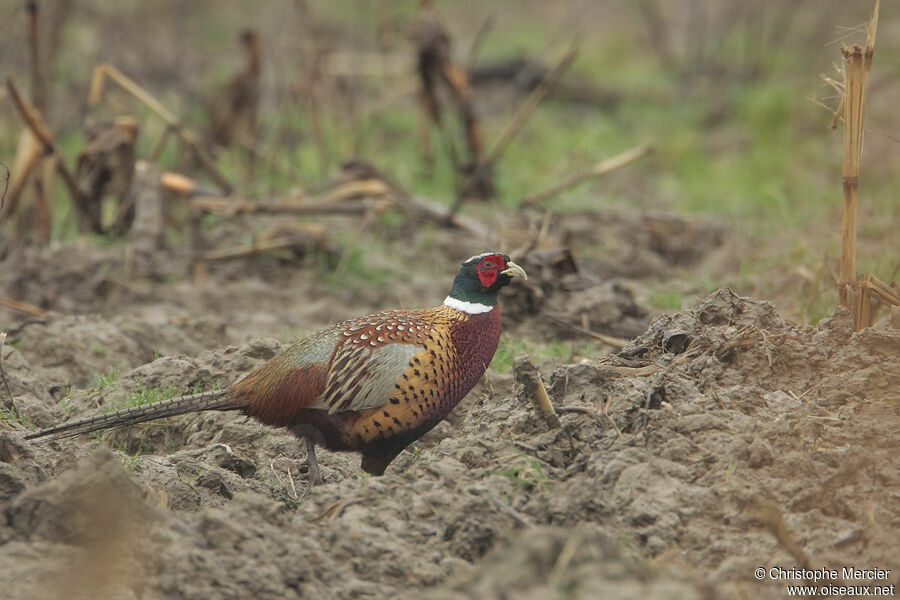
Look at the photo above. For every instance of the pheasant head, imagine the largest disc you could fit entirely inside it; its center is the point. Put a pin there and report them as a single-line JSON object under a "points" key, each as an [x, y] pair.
{"points": [[475, 287]]}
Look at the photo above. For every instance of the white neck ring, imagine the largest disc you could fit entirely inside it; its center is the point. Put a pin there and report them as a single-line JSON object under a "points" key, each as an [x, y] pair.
{"points": [[472, 308]]}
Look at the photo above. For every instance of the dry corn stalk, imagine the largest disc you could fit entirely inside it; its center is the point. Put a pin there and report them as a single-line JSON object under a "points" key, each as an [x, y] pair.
{"points": [[304, 235], [863, 295], [531, 387], [35, 122], [233, 110], [437, 71], [28, 152], [516, 122], [28, 309], [187, 137], [853, 125], [598, 170]]}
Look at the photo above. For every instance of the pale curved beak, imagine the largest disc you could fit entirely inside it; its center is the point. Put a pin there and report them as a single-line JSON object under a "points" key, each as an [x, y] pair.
{"points": [[514, 270]]}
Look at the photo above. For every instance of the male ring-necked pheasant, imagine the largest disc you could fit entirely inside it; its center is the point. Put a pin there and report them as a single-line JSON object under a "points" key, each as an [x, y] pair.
{"points": [[372, 385]]}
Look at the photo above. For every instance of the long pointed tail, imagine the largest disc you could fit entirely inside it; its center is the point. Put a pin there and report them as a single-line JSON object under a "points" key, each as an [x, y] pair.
{"points": [[214, 400]]}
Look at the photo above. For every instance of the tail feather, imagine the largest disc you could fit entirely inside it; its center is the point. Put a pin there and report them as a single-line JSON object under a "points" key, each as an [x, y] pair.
{"points": [[214, 400]]}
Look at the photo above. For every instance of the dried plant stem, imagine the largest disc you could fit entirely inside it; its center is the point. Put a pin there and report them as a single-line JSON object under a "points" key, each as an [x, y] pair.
{"points": [[43, 179], [28, 309], [440, 76], [187, 137], [515, 124], [539, 234], [486, 26], [5, 186], [38, 95], [850, 169], [601, 168], [887, 294], [857, 64], [609, 340], [43, 184], [36, 124], [28, 154], [252, 249], [528, 377], [531, 103], [12, 404], [543, 400], [608, 416], [232, 206], [352, 197], [160, 143]]}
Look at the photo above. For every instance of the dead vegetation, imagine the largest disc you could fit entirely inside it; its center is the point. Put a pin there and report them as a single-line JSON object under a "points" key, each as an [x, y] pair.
{"points": [[233, 110], [107, 161], [439, 74], [864, 295]]}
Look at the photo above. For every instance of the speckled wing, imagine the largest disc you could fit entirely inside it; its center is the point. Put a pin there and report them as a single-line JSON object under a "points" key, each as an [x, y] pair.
{"points": [[370, 360]]}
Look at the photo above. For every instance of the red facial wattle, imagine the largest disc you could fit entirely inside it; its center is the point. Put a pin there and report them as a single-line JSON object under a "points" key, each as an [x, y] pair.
{"points": [[488, 267], [487, 277]]}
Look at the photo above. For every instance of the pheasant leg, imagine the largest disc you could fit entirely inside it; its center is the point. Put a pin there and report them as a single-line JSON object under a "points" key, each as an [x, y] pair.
{"points": [[312, 465]]}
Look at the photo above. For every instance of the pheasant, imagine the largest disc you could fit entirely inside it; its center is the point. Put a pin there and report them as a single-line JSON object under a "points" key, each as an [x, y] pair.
{"points": [[372, 385]]}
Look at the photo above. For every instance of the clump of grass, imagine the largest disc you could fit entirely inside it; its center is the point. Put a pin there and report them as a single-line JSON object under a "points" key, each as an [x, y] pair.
{"points": [[131, 462], [65, 406], [529, 477], [352, 268], [667, 299], [144, 395], [7, 417], [129, 459], [103, 381], [510, 348]]}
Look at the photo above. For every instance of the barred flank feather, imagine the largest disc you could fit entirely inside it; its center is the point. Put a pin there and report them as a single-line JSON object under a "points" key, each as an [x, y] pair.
{"points": [[214, 400]]}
